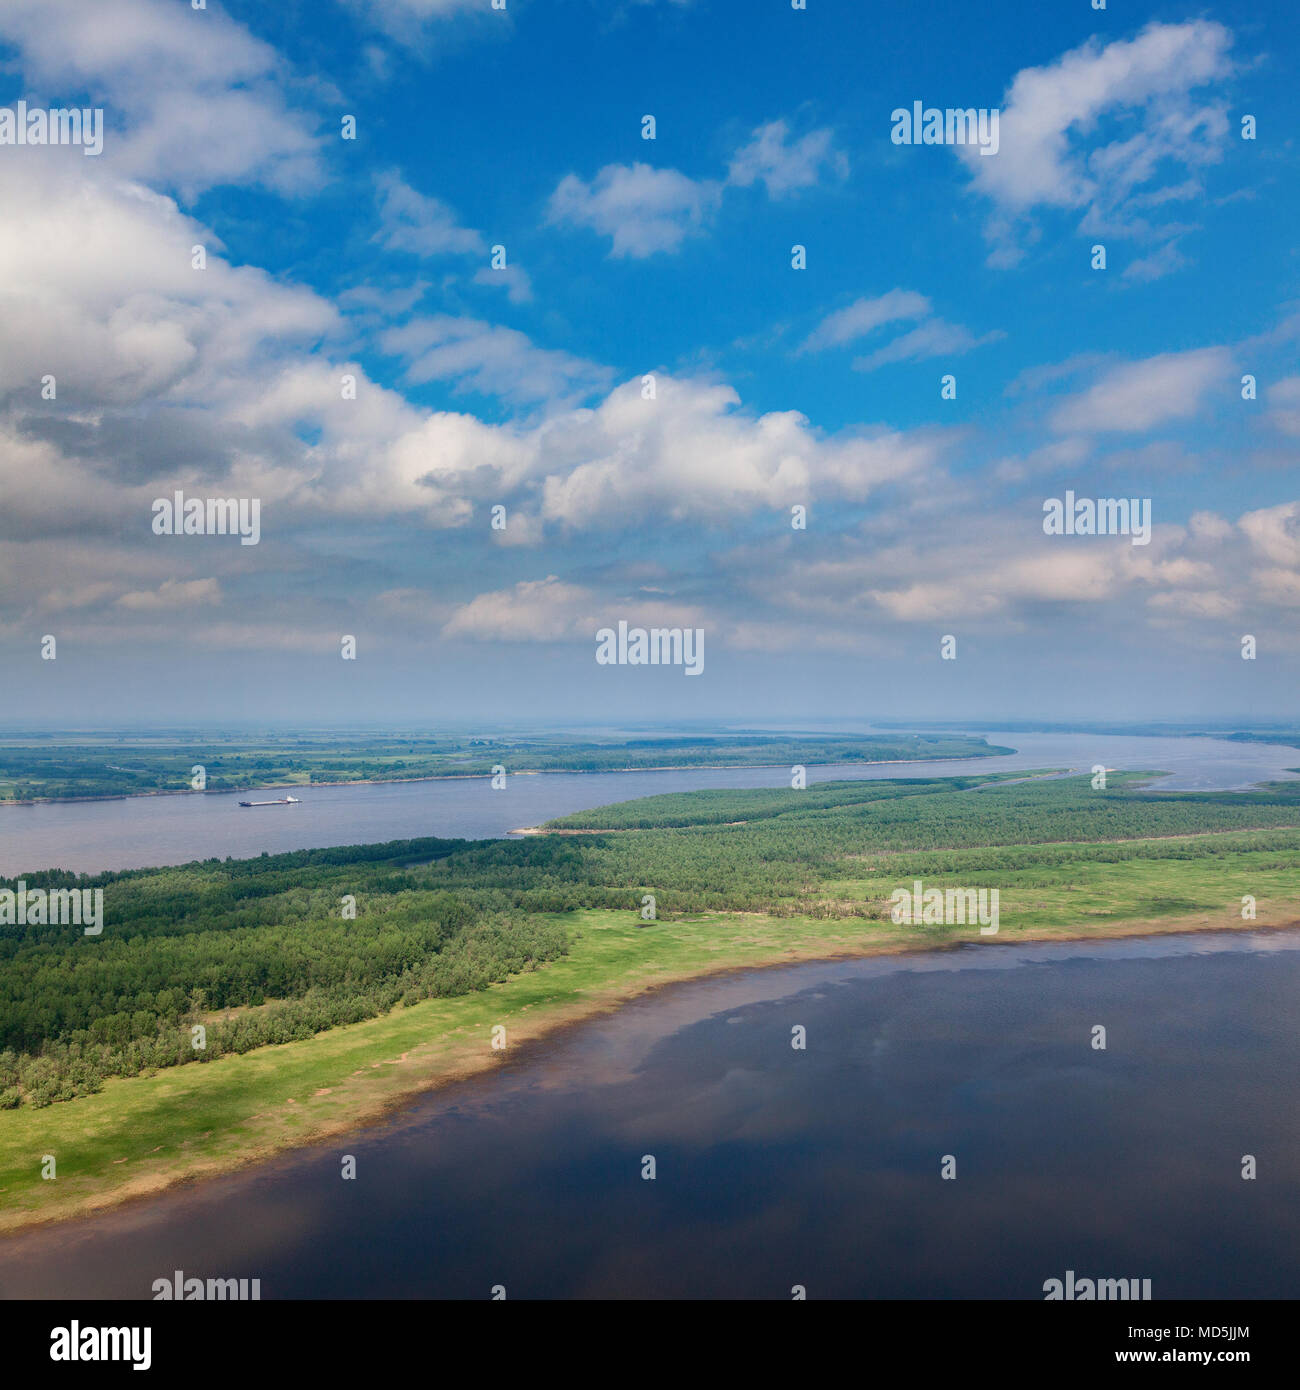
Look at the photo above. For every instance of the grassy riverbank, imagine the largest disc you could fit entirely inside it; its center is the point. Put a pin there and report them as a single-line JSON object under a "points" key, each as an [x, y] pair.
{"points": [[143, 1134]]}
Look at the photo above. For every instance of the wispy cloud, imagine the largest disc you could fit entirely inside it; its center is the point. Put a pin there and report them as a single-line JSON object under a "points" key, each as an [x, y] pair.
{"points": [[644, 210], [492, 360], [863, 315], [932, 337], [641, 209], [783, 165], [511, 278], [422, 225], [1086, 132], [1136, 396]]}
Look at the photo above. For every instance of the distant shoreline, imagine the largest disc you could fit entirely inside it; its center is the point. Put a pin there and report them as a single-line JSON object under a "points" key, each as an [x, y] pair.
{"points": [[481, 776]]}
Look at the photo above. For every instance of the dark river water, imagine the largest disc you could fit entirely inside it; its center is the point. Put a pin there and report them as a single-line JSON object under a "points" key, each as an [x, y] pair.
{"points": [[138, 832], [777, 1167]]}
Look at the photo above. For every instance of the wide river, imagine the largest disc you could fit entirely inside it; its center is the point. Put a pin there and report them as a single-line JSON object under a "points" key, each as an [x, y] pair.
{"points": [[821, 1167], [137, 832]]}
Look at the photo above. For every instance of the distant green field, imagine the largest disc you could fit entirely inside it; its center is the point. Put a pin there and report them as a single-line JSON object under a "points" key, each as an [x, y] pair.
{"points": [[1143, 882]]}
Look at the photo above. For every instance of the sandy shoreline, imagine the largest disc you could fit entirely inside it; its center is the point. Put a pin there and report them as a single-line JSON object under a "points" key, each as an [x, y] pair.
{"points": [[426, 1068]]}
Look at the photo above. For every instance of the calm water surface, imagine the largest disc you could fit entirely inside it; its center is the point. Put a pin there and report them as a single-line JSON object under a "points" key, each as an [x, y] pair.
{"points": [[138, 832], [820, 1167]]}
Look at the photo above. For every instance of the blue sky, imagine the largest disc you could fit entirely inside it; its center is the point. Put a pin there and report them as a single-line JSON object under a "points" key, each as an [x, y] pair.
{"points": [[523, 387]]}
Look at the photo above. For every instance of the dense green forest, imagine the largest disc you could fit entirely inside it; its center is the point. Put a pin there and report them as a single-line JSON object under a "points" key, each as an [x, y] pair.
{"points": [[125, 765], [1007, 812], [184, 945], [260, 950]]}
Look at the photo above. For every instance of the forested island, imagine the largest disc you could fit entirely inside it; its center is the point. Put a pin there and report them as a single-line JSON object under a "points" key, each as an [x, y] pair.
{"points": [[65, 767], [327, 984]]}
